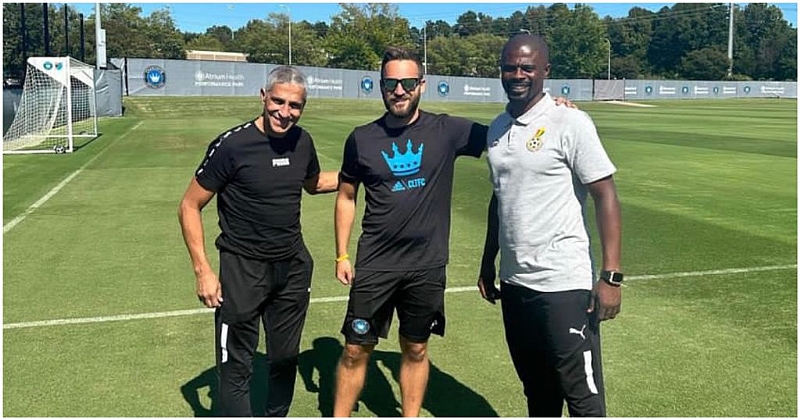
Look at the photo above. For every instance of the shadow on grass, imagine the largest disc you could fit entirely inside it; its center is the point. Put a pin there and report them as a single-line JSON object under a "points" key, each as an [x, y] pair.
{"points": [[208, 381], [86, 142], [445, 397]]}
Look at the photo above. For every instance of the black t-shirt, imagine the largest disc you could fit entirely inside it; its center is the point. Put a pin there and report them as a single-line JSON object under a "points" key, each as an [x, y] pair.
{"points": [[259, 182], [407, 175]]}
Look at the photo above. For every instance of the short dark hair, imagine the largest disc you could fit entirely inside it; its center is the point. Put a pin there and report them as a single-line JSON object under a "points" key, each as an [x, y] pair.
{"points": [[396, 53]]}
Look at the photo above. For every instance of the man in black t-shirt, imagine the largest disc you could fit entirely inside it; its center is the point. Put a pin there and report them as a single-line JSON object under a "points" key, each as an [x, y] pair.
{"points": [[258, 171], [405, 160]]}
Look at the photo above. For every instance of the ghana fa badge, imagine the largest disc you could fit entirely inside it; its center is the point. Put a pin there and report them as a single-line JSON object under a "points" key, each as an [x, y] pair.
{"points": [[536, 142]]}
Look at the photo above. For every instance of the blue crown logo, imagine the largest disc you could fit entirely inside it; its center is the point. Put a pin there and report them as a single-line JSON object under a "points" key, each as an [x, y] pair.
{"points": [[404, 164]]}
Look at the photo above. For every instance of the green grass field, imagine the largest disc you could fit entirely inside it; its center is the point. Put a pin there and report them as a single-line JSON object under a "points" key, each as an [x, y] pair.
{"points": [[709, 319]]}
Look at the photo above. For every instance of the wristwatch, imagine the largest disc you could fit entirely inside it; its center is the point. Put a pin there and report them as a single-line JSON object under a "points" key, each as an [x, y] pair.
{"points": [[613, 278]]}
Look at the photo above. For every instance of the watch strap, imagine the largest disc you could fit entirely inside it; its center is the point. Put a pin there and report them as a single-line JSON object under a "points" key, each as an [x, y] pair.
{"points": [[613, 278]]}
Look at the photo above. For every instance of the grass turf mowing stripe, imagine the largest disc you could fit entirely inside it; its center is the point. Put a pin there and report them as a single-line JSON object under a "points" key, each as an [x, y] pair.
{"points": [[17, 220], [150, 315]]}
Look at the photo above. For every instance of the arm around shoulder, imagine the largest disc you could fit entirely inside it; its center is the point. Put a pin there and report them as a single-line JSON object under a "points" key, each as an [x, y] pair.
{"points": [[324, 182]]}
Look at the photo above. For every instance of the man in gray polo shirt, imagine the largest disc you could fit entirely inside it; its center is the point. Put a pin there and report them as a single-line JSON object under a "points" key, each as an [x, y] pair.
{"points": [[543, 161]]}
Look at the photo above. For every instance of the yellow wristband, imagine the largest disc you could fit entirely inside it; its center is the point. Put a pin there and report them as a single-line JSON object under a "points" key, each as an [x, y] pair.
{"points": [[343, 257]]}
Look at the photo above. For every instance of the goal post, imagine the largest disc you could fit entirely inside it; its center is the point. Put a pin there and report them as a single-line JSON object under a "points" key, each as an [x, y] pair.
{"points": [[57, 106]]}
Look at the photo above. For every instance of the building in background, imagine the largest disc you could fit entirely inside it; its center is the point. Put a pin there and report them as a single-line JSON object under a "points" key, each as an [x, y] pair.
{"points": [[215, 56]]}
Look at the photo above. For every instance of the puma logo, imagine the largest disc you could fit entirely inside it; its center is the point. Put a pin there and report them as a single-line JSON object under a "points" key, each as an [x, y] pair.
{"points": [[580, 333]]}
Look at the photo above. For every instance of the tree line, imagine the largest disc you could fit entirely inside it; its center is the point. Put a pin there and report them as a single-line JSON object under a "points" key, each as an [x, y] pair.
{"points": [[684, 41]]}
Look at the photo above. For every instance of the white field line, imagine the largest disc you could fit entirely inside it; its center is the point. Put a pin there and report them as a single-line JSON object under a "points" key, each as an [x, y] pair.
{"points": [[129, 317], [15, 221]]}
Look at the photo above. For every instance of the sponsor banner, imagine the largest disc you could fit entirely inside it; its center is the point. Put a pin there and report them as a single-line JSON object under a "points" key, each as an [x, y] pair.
{"points": [[477, 90], [215, 78], [204, 79]]}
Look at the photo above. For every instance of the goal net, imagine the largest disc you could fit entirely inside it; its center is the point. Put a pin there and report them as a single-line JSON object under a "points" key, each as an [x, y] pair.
{"points": [[57, 106]]}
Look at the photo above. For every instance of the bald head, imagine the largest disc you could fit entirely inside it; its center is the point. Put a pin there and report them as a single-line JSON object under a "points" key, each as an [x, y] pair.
{"points": [[527, 43]]}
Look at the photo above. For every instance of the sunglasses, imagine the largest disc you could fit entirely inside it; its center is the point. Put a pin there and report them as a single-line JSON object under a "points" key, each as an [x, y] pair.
{"points": [[409, 84], [512, 68]]}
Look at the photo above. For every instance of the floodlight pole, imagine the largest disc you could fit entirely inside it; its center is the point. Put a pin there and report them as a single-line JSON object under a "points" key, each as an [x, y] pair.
{"points": [[46, 29], [289, 14], [83, 39], [425, 48], [609, 57], [730, 42], [66, 28], [99, 39]]}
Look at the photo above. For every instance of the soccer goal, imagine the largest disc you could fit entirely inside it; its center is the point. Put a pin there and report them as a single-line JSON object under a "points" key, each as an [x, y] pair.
{"points": [[57, 105]]}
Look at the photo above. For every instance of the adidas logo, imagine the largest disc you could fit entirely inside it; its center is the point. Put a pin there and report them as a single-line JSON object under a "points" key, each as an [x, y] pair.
{"points": [[398, 186]]}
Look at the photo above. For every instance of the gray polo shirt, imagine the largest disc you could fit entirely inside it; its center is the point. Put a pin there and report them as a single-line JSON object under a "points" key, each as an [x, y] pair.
{"points": [[539, 165]]}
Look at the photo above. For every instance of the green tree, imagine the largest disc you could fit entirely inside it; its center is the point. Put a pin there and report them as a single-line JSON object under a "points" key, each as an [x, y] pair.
{"points": [[472, 56], [443, 56], [126, 31], [205, 42], [13, 60], [627, 67], [683, 28], [629, 39], [223, 34], [516, 22], [320, 29], [708, 63], [467, 24], [164, 39], [308, 49], [486, 49], [267, 41], [257, 39], [577, 46], [438, 28], [359, 35], [786, 64], [769, 41], [536, 20], [500, 27]]}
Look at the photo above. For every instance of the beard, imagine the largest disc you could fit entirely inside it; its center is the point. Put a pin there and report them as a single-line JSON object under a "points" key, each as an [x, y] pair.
{"points": [[523, 92], [516, 91], [411, 106]]}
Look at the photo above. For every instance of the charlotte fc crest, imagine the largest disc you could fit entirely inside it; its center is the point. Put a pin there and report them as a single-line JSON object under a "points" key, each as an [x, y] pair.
{"points": [[404, 164], [536, 142]]}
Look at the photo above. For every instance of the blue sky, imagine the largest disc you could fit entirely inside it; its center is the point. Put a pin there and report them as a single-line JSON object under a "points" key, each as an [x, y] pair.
{"points": [[197, 17]]}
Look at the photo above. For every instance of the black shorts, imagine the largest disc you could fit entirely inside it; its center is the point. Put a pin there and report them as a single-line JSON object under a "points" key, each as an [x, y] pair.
{"points": [[417, 295]]}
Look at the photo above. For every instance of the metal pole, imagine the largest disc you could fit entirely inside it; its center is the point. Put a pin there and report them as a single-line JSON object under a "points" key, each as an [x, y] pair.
{"points": [[83, 39], [289, 14], [99, 38], [24, 35], [730, 42], [609, 58], [290, 34], [45, 20], [66, 28], [425, 48]]}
